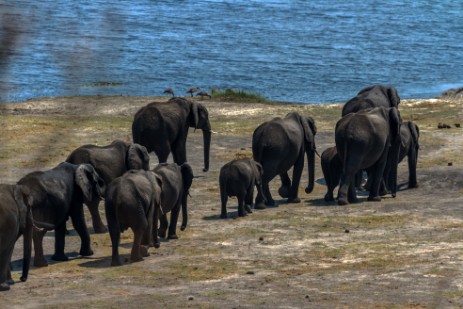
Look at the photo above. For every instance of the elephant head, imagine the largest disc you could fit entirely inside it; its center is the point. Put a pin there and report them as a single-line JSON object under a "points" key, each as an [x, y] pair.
{"points": [[309, 129], [393, 96], [137, 157], [89, 182], [200, 120]]}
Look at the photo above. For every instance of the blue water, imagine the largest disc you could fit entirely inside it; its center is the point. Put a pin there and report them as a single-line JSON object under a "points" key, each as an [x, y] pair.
{"points": [[297, 51]]}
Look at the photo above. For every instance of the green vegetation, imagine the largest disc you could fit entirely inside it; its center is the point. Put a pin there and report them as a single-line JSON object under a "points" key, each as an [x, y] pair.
{"points": [[237, 96]]}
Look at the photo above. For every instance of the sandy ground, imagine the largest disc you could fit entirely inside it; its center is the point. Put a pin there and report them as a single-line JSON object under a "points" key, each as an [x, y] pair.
{"points": [[405, 252]]}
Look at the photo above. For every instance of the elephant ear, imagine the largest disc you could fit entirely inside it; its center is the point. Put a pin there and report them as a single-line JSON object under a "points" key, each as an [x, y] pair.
{"points": [[24, 202], [89, 181], [394, 122], [415, 131], [137, 157], [187, 175], [308, 125], [393, 96]]}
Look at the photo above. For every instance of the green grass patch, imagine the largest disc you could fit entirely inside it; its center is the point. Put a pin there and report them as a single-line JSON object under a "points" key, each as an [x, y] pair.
{"points": [[230, 95]]}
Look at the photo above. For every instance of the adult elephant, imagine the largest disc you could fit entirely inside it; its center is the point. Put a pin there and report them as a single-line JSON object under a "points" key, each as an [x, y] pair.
{"points": [[280, 144], [367, 140], [133, 200], [372, 96], [176, 183], [163, 128], [110, 162], [54, 196]]}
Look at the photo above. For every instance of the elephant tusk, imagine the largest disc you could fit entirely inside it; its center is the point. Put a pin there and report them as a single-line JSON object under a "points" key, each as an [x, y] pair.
{"points": [[213, 132]]}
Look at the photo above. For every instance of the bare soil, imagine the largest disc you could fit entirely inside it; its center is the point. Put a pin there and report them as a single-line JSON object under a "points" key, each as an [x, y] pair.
{"points": [[403, 252]]}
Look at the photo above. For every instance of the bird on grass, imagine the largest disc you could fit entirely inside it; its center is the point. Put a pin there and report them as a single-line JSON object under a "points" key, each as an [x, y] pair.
{"points": [[192, 90], [169, 91], [203, 94]]}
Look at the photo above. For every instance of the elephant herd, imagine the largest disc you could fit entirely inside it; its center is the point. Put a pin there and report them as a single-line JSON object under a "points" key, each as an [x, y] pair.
{"points": [[370, 136]]}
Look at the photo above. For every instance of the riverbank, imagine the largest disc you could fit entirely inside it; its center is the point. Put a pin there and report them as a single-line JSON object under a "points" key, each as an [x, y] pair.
{"points": [[403, 252]]}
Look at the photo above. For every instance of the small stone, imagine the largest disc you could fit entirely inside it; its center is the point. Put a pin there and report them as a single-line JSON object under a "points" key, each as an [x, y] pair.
{"points": [[346, 231], [250, 272], [191, 298], [261, 238], [449, 164]]}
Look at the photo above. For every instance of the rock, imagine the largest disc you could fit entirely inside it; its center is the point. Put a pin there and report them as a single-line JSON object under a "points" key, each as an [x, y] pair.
{"points": [[454, 93]]}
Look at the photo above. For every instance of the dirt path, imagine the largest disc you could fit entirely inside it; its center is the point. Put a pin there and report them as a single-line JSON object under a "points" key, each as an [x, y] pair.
{"points": [[399, 253]]}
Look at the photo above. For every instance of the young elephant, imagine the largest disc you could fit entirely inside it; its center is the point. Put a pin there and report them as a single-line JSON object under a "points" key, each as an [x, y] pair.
{"points": [[133, 201], [15, 220], [176, 183], [332, 168], [238, 178], [54, 196]]}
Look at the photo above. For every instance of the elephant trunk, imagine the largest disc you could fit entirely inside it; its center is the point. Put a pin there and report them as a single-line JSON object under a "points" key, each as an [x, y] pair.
{"points": [[207, 146], [27, 248], [311, 168]]}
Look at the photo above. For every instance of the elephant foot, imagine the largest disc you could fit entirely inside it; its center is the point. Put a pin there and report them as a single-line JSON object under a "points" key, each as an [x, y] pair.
{"points": [[135, 259], [40, 262], [144, 251], [242, 214], [100, 229], [294, 200], [59, 257], [157, 245], [342, 202], [283, 191], [173, 236], [412, 185], [162, 233], [223, 216], [353, 200], [116, 262], [329, 198], [182, 228], [260, 206], [374, 198], [86, 252], [248, 209], [4, 286]]}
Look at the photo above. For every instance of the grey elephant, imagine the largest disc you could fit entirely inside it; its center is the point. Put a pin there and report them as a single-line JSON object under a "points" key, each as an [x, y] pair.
{"points": [[54, 196], [280, 144], [332, 167], [409, 146], [176, 183], [133, 201], [238, 178], [110, 162], [372, 96], [163, 128], [367, 140]]}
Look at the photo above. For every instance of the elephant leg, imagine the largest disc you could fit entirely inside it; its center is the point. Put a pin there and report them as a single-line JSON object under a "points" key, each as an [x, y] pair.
{"points": [[78, 221], [352, 194], [173, 222], [39, 258], [241, 211], [163, 226], [115, 236], [378, 171], [347, 181], [268, 197], [248, 199], [223, 199], [412, 161], [5, 274], [98, 225], [285, 189], [297, 172], [60, 233], [135, 255], [179, 151]]}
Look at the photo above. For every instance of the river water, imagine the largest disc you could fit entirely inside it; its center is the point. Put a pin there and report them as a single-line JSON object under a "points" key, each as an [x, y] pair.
{"points": [[297, 51]]}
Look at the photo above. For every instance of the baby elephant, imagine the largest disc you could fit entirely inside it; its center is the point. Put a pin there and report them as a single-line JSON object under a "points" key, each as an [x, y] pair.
{"points": [[332, 168], [133, 200], [238, 178]]}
